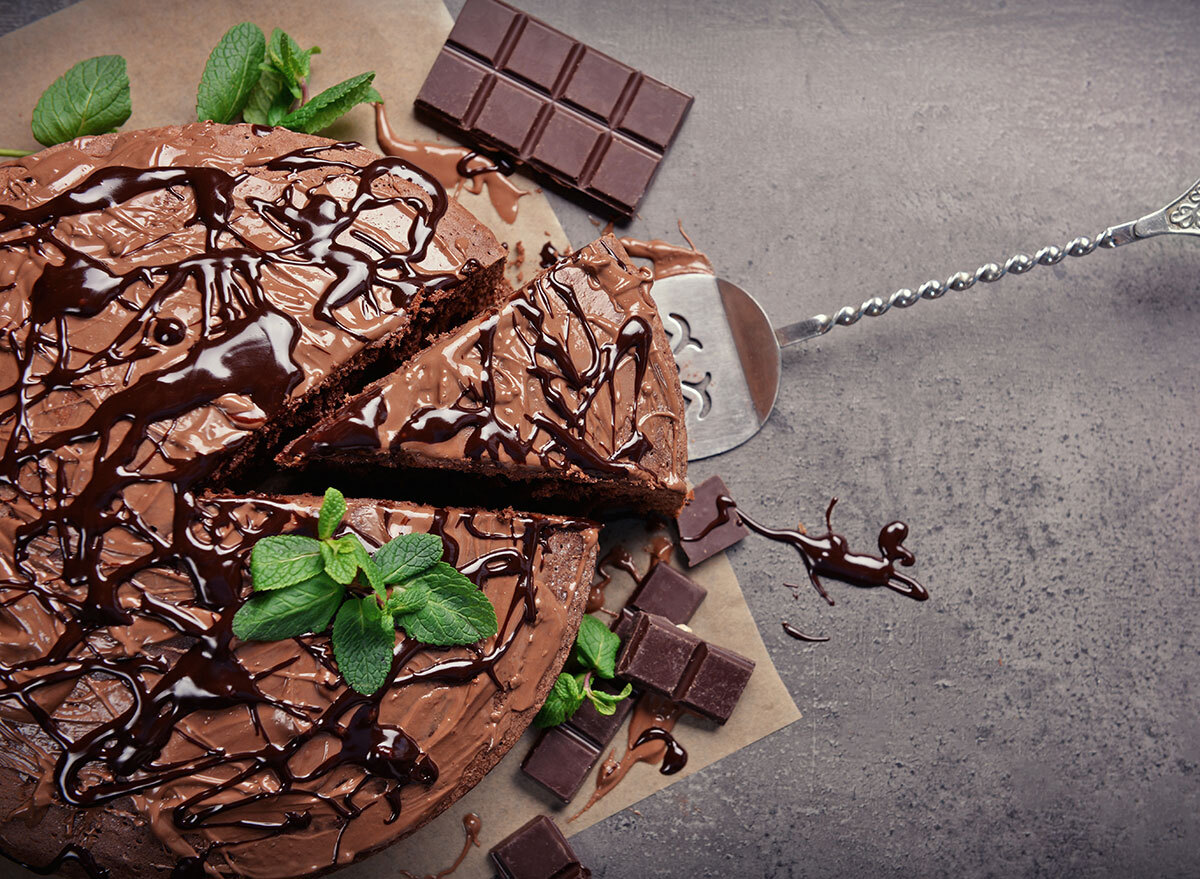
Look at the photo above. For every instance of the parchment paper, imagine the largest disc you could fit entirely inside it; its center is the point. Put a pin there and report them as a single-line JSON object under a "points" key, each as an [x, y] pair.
{"points": [[166, 45]]}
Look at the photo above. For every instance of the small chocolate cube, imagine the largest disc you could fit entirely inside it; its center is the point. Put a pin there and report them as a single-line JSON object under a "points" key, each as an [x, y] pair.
{"points": [[560, 762], [705, 527], [657, 654], [594, 726], [538, 850], [718, 678], [669, 594]]}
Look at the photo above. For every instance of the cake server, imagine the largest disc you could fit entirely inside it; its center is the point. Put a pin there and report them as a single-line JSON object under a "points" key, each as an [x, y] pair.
{"points": [[730, 355]]}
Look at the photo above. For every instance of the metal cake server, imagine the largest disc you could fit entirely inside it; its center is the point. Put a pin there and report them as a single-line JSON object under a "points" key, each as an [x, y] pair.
{"points": [[730, 356]]}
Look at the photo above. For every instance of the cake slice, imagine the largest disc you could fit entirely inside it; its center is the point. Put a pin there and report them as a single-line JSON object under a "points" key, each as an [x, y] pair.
{"points": [[569, 388], [253, 758]]}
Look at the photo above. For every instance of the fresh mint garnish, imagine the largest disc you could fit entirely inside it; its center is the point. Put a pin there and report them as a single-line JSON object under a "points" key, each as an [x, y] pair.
{"points": [[300, 583], [233, 69], [595, 652], [90, 98], [324, 109]]}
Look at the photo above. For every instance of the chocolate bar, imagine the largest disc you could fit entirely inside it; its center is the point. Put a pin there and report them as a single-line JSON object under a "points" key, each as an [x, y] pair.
{"points": [[507, 82], [705, 526], [538, 850], [562, 757], [669, 660], [669, 594]]}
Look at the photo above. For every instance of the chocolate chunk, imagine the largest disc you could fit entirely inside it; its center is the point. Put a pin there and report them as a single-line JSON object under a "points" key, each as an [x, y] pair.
{"points": [[560, 762], [706, 526], [657, 654], [623, 625], [537, 850], [562, 757], [673, 662], [718, 678], [506, 81], [669, 594]]}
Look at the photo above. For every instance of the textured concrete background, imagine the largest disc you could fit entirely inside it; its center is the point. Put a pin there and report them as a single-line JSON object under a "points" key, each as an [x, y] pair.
{"points": [[1038, 716]]}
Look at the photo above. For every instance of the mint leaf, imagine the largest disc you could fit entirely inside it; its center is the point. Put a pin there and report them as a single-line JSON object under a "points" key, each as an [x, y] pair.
{"points": [[340, 559], [333, 508], [285, 613], [564, 700], [365, 564], [321, 111], [456, 612], [269, 101], [284, 560], [292, 62], [232, 71], [408, 599], [596, 647], [90, 98], [606, 703], [361, 646], [406, 556]]}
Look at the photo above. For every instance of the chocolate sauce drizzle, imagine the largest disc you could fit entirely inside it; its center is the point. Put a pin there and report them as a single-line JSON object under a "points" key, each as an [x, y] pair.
{"points": [[70, 854], [800, 636], [675, 757], [84, 510], [830, 556], [549, 255]]}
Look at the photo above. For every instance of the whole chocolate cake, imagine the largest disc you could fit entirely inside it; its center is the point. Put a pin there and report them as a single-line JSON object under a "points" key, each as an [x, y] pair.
{"points": [[177, 302], [570, 386]]}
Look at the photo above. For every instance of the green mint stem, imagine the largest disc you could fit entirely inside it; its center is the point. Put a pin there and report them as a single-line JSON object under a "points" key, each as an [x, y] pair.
{"points": [[14, 154]]}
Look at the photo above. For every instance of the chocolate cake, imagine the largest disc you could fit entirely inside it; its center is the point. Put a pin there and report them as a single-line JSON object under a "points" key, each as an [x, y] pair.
{"points": [[177, 302], [569, 387]]}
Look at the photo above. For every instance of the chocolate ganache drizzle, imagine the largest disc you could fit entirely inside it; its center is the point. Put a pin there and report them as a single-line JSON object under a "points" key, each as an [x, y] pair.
{"points": [[115, 576]]}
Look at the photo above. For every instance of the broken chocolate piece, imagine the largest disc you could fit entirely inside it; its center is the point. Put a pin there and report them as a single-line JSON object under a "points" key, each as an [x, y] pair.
{"points": [[623, 625], [669, 594], [671, 661], [709, 522], [538, 850], [562, 757], [508, 82], [657, 654], [717, 682]]}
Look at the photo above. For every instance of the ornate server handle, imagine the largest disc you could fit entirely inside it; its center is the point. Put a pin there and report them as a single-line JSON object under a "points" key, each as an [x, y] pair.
{"points": [[1180, 217]]}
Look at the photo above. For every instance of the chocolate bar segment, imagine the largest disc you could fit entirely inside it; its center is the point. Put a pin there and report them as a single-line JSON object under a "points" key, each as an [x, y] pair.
{"points": [[669, 594], [508, 82], [538, 850], [708, 680], [705, 527], [562, 757]]}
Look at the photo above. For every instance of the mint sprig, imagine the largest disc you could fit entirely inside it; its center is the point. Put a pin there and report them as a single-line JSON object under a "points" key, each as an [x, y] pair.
{"points": [[233, 69], [90, 98], [595, 652], [301, 583]]}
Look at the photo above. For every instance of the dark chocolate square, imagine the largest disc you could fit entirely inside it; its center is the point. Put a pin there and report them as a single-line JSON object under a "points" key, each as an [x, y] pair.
{"points": [[624, 172], [560, 762], [597, 82], [657, 654], [717, 683], [593, 725], [508, 113], [698, 514], [537, 850], [540, 54], [656, 112], [565, 143], [482, 26], [451, 84], [669, 594]]}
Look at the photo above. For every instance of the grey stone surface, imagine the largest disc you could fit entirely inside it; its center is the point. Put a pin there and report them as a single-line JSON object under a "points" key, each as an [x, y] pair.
{"points": [[1038, 716]]}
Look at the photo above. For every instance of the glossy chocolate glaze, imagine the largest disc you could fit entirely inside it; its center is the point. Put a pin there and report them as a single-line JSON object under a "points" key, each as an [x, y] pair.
{"points": [[119, 675], [572, 379]]}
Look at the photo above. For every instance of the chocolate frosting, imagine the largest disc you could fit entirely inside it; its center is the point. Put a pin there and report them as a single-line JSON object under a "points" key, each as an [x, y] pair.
{"points": [[169, 296], [572, 377]]}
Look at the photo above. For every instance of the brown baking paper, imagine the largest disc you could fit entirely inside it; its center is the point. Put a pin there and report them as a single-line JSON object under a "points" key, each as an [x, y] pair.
{"points": [[166, 46]]}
